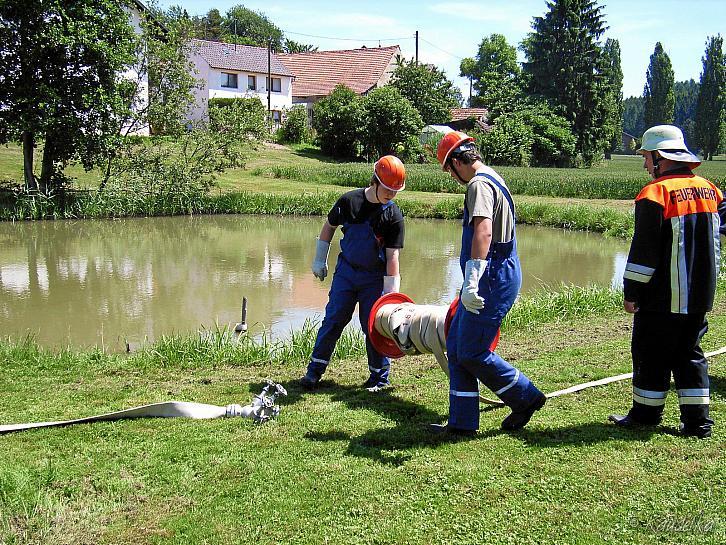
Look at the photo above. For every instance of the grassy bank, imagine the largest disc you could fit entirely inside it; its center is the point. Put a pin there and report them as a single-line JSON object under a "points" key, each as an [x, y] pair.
{"points": [[90, 204], [344, 466], [620, 179], [297, 181]]}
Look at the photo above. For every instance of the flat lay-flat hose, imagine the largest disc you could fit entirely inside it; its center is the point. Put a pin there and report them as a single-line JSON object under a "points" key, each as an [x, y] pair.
{"points": [[262, 409]]}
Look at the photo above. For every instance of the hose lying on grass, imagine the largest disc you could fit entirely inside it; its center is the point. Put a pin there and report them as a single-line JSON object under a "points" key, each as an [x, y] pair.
{"points": [[261, 410], [398, 327]]}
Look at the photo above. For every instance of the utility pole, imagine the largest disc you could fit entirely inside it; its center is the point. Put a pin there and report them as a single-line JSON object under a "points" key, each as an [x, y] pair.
{"points": [[269, 82], [417, 47]]}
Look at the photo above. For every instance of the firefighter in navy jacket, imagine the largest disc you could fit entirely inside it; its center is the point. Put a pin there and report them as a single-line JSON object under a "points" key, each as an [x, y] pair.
{"points": [[670, 282]]}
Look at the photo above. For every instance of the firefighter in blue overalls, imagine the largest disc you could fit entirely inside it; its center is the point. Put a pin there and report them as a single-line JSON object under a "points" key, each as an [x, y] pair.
{"points": [[373, 233], [492, 278]]}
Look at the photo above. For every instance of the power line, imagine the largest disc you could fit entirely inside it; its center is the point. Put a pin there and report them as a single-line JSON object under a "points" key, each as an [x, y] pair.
{"points": [[442, 50], [349, 39]]}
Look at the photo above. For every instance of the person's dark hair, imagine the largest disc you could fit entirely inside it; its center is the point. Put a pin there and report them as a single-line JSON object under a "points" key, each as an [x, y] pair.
{"points": [[468, 156]]}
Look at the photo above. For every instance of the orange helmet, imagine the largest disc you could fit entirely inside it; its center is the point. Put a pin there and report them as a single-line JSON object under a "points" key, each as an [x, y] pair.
{"points": [[390, 173], [449, 143]]}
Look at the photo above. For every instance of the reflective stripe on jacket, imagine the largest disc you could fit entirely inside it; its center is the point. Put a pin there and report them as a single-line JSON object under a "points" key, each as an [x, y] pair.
{"points": [[674, 257]]}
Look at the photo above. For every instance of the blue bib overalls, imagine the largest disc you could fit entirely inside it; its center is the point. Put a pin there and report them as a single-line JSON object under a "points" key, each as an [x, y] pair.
{"points": [[358, 279], [471, 335]]}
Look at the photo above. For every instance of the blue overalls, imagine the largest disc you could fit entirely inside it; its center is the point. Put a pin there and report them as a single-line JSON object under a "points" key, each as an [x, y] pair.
{"points": [[358, 279], [471, 335]]}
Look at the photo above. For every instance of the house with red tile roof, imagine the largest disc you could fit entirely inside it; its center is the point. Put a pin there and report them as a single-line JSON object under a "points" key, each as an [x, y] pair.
{"points": [[463, 119], [317, 73], [232, 70]]}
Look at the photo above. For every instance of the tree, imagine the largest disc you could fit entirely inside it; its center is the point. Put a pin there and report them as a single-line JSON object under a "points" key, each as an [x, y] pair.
{"points": [[337, 119], [659, 100], [295, 126], [59, 67], [553, 144], [495, 75], [711, 108], [391, 123], [565, 64], [428, 89], [163, 57], [292, 46], [210, 27], [613, 76], [686, 101], [162, 65], [633, 116], [244, 26]]}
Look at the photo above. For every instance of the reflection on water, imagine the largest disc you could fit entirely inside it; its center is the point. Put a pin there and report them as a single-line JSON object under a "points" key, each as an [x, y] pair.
{"points": [[109, 281]]}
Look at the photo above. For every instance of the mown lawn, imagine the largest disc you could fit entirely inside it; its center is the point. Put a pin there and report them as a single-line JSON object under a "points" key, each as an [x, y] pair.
{"points": [[344, 466]]}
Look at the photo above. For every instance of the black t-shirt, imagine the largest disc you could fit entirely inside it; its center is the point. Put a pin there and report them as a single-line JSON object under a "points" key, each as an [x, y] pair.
{"points": [[353, 207]]}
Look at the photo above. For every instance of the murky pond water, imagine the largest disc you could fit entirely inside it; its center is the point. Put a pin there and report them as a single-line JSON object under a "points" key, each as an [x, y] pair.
{"points": [[110, 281]]}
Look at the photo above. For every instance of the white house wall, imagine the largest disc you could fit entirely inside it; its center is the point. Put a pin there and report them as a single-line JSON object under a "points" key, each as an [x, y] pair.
{"points": [[212, 88], [142, 99]]}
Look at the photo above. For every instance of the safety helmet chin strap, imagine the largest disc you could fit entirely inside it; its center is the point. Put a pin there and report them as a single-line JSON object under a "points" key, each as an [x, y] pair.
{"points": [[656, 159], [452, 167]]}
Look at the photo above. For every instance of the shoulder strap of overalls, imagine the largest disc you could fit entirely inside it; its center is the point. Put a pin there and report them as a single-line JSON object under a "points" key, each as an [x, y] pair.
{"points": [[503, 189]]}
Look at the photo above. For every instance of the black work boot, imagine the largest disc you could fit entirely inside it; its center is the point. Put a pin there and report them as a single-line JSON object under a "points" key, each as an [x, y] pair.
{"points": [[628, 421], [701, 431], [312, 377], [518, 419], [624, 421]]}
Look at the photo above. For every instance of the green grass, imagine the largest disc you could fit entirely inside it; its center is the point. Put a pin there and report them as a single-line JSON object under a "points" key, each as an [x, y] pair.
{"points": [[344, 466], [620, 179], [565, 198]]}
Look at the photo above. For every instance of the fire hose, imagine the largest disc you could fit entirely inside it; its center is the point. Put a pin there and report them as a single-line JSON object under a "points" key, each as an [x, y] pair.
{"points": [[398, 327], [260, 410]]}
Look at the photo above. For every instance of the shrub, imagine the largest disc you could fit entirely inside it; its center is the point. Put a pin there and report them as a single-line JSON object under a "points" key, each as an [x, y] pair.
{"points": [[509, 142], [392, 124], [337, 119], [242, 116], [553, 144], [295, 126]]}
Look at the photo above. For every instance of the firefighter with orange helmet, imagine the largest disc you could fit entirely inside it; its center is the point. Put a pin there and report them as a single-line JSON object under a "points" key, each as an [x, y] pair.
{"points": [[492, 278], [669, 283], [367, 266]]}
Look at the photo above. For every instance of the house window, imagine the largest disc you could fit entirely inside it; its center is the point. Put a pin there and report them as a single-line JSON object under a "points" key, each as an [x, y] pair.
{"points": [[276, 84], [229, 80], [251, 83]]}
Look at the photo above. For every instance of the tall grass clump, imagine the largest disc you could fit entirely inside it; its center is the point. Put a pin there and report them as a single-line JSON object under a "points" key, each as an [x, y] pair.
{"points": [[563, 304], [222, 348], [595, 183]]}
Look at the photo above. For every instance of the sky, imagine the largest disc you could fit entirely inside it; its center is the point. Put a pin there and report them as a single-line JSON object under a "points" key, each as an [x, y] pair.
{"points": [[450, 31]]}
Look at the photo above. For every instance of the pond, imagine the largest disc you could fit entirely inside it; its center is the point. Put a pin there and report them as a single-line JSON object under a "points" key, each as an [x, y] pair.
{"points": [[109, 282]]}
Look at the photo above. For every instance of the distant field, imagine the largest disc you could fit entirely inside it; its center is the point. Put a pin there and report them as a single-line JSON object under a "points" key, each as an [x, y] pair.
{"points": [[268, 168]]}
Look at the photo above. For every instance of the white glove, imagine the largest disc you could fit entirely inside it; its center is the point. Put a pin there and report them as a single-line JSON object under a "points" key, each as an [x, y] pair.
{"points": [[469, 292], [391, 284], [320, 263]]}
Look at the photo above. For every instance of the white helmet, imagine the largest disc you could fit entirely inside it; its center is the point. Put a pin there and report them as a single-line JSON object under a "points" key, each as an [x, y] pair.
{"points": [[668, 141]]}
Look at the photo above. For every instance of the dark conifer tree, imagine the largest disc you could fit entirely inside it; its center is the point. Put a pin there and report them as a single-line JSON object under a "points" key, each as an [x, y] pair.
{"points": [[711, 107], [566, 65], [659, 98]]}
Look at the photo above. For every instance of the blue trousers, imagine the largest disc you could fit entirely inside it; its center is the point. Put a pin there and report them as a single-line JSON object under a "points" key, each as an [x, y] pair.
{"points": [[350, 286], [468, 347]]}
